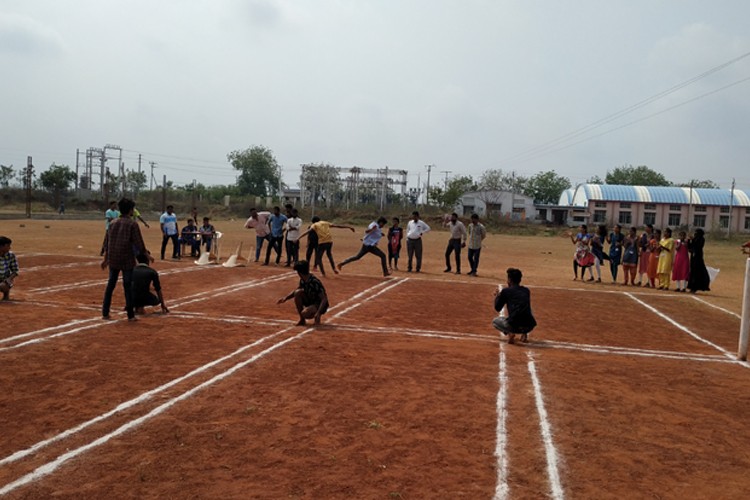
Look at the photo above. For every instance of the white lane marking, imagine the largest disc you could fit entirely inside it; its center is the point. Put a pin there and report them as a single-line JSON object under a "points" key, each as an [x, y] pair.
{"points": [[685, 329], [549, 447], [393, 285], [135, 401], [716, 307], [502, 488], [45, 330], [43, 470]]}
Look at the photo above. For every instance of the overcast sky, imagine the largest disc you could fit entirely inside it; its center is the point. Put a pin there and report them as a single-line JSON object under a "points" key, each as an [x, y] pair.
{"points": [[465, 85]]}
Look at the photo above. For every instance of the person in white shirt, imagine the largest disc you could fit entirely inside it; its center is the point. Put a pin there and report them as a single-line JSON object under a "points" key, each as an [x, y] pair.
{"points": [[414, 231], [456, 242], [293, 224], [169, 231]]}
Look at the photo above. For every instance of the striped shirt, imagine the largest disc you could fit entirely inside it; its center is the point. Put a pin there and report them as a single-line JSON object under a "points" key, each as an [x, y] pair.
{"points": [[477, 233], [123, 241], [8, 265]]}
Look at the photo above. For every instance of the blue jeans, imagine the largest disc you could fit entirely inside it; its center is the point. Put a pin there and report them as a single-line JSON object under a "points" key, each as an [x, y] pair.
{"points": [[127, 280], [259, 245]]}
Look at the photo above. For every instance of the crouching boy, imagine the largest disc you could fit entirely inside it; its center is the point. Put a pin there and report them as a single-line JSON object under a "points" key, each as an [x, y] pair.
{"points": [[519, 320], [143, 277]]}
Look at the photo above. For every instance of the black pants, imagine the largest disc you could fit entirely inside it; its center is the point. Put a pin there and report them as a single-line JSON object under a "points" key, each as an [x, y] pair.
{"points": [[274, 243], [319, 251], [454, 245], [414, 248], [175, 245], [474, 259], [292, 251], [369, 249]]}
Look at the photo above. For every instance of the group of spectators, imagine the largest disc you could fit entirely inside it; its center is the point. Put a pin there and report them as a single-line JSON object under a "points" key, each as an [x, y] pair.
{"points": [[655, 257]]}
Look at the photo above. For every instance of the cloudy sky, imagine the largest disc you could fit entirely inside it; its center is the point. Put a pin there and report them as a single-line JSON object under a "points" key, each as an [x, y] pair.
{"points": [[466, 85]]}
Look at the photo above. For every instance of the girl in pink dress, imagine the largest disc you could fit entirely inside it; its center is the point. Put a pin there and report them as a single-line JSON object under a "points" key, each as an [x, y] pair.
{"points": [[681, 268]]}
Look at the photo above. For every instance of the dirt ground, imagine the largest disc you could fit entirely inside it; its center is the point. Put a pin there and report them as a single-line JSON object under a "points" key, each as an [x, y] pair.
{"points": [[405, 391]]}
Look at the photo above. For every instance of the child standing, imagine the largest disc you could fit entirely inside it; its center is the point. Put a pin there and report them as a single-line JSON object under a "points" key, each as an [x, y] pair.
{"points": [[666, 258], [681, 269], [8, 267], [395, 235]]}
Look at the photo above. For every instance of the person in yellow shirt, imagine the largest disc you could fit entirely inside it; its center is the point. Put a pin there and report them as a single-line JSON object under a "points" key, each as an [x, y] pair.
{"points": [[666, 258], [325, 241]]}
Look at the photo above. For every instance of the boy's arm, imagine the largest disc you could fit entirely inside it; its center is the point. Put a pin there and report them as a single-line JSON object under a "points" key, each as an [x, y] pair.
{"points": [[341, 226]]}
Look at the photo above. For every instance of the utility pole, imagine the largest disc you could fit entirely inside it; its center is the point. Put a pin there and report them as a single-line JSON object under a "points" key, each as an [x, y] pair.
{"points": [[446, 172], [29, 174], [151, 186], [427, 195], [731, 206], [78, 182], [137, 186]]}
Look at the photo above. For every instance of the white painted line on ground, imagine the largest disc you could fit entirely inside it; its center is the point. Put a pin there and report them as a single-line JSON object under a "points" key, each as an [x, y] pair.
{"points": [[49, 329], [135, 401], [502, 489], [52, 267], [52, 466], [689, 332], [549, 447], [389, 287], [39, 340], [716, 307], [684, 356]]}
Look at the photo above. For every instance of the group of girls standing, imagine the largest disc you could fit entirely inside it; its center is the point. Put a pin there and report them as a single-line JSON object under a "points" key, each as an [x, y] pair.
{"points": [[653, 255]]}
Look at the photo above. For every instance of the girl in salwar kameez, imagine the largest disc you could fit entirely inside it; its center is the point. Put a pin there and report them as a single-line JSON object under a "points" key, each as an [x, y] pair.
{"points": [[653, 257], [666, 258], [681, 268]]}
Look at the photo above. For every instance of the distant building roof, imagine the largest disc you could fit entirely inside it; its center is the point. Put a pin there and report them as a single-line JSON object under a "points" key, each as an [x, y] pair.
{"points": [[581, 195]]}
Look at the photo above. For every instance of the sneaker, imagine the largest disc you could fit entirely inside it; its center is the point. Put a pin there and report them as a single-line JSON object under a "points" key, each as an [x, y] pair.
{"points": [[447, 270], [458, 272]]}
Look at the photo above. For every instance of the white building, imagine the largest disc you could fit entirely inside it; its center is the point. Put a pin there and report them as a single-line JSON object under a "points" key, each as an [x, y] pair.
{"points": [[496, 204]]}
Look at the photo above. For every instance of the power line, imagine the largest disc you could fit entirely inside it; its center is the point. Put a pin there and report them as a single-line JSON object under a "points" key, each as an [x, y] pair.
{"points": [[625, 111]]}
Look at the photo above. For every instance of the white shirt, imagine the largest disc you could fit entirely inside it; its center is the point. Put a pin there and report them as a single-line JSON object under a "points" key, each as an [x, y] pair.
{"points": [[292, 228], [415, 230]]}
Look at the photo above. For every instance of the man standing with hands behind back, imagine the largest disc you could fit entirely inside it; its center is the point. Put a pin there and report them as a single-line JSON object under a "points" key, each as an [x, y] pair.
{"points": [[414, 231], [456, 242]]}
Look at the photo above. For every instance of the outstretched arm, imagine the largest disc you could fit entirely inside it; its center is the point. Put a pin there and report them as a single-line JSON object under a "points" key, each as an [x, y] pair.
{"points": [[339, 226]]}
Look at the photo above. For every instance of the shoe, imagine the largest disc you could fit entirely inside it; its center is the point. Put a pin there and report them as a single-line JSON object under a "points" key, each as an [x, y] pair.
{"points": [[447, 270], [599, 280], [590, 279], [458, 272]]}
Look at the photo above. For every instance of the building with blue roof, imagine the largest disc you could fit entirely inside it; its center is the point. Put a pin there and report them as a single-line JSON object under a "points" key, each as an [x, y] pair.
{"points": [[661, 206]]}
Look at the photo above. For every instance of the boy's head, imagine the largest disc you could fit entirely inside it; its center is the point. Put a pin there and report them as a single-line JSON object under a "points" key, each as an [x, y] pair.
{"points": [[302, 267], [4, 245], [205, 221], [474, 218], [315, 219], [142, 258], [454, 217], [190, 222], [415, 215], [170, 209], [112, 205], [276, 210], [295, 213], [382, 221], [396, 221], [514, 276], [253, 213], [126, 206]]}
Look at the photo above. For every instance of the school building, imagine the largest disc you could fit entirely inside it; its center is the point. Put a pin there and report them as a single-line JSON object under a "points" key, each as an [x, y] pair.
{"points": [[662, 206]]}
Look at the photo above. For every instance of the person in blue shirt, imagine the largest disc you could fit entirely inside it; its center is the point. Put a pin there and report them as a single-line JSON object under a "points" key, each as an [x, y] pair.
{"points": [[169, 231], [276, 223], [373, 233]]}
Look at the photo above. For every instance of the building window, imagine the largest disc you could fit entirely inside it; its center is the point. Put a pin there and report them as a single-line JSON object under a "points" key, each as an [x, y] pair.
{"points": [[724, 221], [699, 221], [747, 223], [625, 205], [625, 218], [600, 215], [747, 210], [725, 210], [649, 206], [675, 208], [649, 218], [674, 220], [700, 208], [600, 204]]}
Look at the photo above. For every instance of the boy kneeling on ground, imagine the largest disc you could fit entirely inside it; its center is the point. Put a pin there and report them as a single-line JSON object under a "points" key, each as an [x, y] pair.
{"points": [[518, 299], [309, 297], [143, 277]]}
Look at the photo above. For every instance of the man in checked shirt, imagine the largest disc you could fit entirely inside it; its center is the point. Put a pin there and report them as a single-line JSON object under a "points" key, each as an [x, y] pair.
{"points": [[8, 267], [123, 242]]}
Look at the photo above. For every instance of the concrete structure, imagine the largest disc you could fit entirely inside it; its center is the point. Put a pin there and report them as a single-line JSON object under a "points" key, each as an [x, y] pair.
{"points": [[496, 204], [662, 206]]}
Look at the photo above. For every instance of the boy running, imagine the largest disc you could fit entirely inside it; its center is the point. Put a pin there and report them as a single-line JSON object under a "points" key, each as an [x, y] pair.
{"points": [[373, 233]]}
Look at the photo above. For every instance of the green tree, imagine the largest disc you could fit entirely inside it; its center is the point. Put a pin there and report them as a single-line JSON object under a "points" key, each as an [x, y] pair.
{"points": [[135, 181], [57, 179], [457, 186], [546, 187], [323, 182], [594, 179], [259, 171], [636, 176], [706, 184], [6, 174]]}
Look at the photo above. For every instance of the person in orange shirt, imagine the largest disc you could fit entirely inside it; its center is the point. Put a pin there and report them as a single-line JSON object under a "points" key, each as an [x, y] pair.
{"points": [[653, 258], [325, 241]]}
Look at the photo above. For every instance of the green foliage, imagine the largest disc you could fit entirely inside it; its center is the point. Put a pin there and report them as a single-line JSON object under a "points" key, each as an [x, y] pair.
{"points": [[6, 174], [706, 184], [323, 181], [595, 179], [259, 171], [636, 176], [497, 180], [135, 181], [456, 187], [546, 187], [57, 178]]}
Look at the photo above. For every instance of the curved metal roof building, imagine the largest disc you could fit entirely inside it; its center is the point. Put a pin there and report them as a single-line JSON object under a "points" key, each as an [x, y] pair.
{"points": [[581, 194]]}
